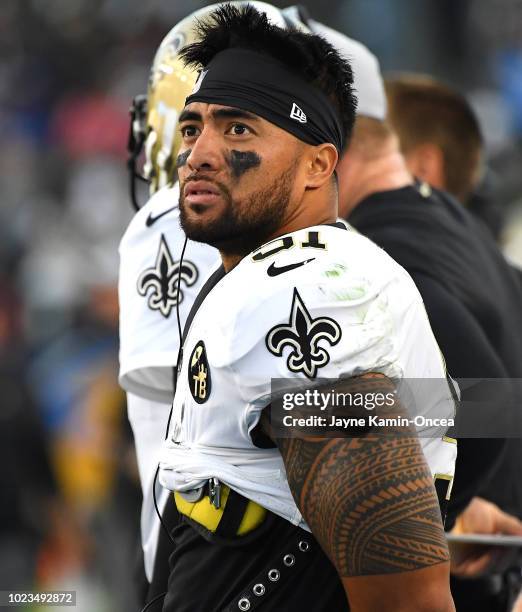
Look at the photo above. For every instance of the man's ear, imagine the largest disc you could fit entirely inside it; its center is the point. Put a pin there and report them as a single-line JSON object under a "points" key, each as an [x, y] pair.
{"points": [[426, 162], [321, 163]]}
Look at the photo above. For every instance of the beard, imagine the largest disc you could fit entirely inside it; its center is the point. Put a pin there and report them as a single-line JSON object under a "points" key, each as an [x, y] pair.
{"points": [[243, 225]]}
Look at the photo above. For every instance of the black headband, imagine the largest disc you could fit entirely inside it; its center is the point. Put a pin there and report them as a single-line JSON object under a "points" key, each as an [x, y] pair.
{"points": [[260, 84]]}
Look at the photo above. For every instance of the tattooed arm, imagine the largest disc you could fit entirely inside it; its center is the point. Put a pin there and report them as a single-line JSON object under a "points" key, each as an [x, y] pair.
{"points": [[371, 504]]}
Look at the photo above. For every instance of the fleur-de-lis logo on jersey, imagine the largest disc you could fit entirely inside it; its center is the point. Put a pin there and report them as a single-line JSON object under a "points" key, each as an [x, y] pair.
{"points": [[303, 334], [162, 283]]}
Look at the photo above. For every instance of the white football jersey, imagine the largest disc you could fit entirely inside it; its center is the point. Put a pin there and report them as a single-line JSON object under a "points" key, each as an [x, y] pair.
{"points": [[150, 269], [150, 272], [321, 302]]}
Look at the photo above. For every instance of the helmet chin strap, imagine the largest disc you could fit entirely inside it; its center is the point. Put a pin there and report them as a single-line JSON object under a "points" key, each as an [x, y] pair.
{"points": [[137, 134]]}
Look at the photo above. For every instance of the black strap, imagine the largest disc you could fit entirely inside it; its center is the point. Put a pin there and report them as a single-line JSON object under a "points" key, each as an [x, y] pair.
{"points": [[291, 557], [232, 515], [212, 281]]}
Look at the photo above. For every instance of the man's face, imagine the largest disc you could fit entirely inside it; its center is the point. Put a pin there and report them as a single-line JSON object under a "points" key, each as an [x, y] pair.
{"points": [[239, 176]]}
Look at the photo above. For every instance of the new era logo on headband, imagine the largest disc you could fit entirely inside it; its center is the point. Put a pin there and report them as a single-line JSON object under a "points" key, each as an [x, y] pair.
{"points": [[297, 114], [197, 84]]}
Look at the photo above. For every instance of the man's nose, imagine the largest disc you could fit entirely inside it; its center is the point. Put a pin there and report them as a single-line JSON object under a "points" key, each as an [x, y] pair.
{"points": [[206, 152]]}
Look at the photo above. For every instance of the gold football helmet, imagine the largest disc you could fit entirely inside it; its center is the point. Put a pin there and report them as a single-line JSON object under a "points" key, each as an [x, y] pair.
{"points": [[154, 118]]}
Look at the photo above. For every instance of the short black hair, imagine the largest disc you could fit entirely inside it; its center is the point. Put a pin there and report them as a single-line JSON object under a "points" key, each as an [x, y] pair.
{"points": [[308, 55]]}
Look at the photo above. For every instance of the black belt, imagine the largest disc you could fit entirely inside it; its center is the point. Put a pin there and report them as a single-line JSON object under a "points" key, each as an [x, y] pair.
{"points": [[290, 557]]}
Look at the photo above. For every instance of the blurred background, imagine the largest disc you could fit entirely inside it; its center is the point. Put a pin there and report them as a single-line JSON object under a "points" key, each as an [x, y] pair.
{"points": [[69, 516]]}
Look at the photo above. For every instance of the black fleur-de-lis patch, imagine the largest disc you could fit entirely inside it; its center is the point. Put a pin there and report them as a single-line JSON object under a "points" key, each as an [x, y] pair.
{"points": [[162, 283], [303, 334], [199, 378]]}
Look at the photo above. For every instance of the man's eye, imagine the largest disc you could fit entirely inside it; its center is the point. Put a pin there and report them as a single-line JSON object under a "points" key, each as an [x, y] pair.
{"points": [[238, 129], [189, 131]]}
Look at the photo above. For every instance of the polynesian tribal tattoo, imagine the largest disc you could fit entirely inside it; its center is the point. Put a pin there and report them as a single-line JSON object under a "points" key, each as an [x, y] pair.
{"points": [[370, 501], [181, 159], [241, 161]]}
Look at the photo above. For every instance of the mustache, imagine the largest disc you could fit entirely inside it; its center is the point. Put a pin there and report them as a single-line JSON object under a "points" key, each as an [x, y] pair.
{"points": [[224, 190]]}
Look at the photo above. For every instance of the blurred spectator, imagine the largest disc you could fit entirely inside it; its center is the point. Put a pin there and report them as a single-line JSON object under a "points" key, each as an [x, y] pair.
{"points": [[26, 478], [438, 132], [441, 140]]}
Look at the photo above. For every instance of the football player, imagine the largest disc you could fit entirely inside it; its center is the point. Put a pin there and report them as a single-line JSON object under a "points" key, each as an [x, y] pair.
{"points": [[298, 296], [148, 282]]}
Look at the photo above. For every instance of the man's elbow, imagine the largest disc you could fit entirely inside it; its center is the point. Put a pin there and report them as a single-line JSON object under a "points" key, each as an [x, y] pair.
{"points": [[438, 603], [423, 601], [423, 590]]}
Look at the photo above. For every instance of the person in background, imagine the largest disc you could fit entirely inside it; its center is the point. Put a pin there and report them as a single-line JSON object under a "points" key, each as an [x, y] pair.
{"points": [[441, 140], [439, 134], [442, 144], [28, 481]]}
